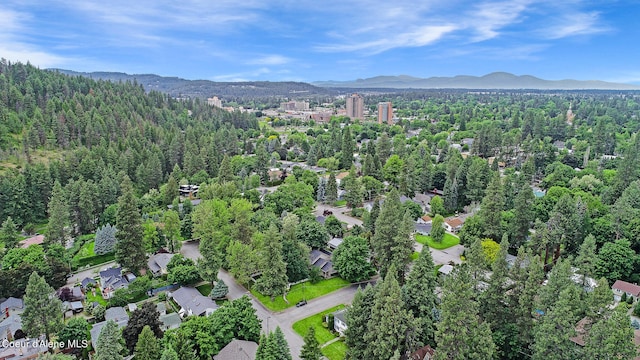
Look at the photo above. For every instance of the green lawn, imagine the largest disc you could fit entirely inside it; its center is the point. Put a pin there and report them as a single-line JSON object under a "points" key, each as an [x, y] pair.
{"points": [[448, 241], [335, 351], [415, 256], [322, 333], [98, 298], [85, 251], [297, 292], [340, 203], [204, 289]]}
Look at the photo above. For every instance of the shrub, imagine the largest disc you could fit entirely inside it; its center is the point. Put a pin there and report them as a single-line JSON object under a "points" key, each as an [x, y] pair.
{"points": [[162, 296]]}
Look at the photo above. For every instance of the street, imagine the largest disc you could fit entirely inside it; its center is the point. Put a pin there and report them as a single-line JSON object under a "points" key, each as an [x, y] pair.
{"points": [[338, 213]]}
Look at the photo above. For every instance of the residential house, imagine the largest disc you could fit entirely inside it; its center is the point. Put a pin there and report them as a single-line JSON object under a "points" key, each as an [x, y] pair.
{"points": [[453, 225], [424, 353], [117, 314], [191, 302], [194, 202], [339, 321], [322, 259], [334, 243], [170, 321], [341, 176], [321, 219], [161, 308], [112, 279], [74, 306], [11, 306], [445, 269], [238, 350], [35, 240], [189, 191], [424, 219], [23, 349], [422, 199], [621, 287], [9, 327], [87, 282], [158, 263], [421, 228]]}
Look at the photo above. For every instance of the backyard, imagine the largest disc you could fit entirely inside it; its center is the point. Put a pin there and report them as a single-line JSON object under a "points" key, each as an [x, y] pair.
{"points": [[333, 351], [448, 241], [87, 257], [301, 291]]}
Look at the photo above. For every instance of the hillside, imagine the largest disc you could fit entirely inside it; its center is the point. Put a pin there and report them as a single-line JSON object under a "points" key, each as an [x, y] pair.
{"points": [[178, 87], [496, 80]]}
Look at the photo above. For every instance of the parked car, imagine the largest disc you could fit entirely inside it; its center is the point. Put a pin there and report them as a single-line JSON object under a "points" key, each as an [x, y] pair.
{"points": [[301, 303]]}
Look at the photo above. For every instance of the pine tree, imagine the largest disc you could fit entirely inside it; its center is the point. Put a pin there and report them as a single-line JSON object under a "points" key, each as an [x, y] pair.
{"points": [[311, 348], [273, 281], [130, 252], [437, 229], [321, 194], [599, 300], [109, 344], [387, 224], [348, 145], [105, 241], [169, 354], [419, 296], [171, 221], [391, 322], [171, 190], [58, 216], [523, 215], [611, 338], [587, 258], [559, 279], [526, 302], [358, 317], [353, 193], [332, 190], [370, 221], [493, 307], [273, 347], [491, 208], [183, 346], [147, 347], [450, 195], [220, 290], [554, 330], [460, 334], [403, 246], [42, 309], [225, 173], [9, 234]]}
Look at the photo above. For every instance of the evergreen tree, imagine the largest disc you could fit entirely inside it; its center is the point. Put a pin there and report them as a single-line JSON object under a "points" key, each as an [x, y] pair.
{"points": [[391, 321], [220, 290], [169, 354], [9, 234], [130, 252], [384, 244], [183, 346], [611, 338], [358, 317], [403, 246], [42, 309], [171, 190], [273, 347], [460, 334], [491, 208], [225, 173], [523, 216], [311, 348], [419, 297], [109, 344], [105, 241], [437, 228], [147, 347], [370, 221], [554, 330], [273, 281], [332, 190], [353, 193], [559, 279], [58, 216], [492, 304], [587, 258], [348, 145], [450, 195], [321, 194], [599, 300], [171, 221]]}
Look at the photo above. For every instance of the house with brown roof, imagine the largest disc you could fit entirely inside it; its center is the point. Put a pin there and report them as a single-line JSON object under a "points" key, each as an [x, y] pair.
{"points": [[621, 287], [453, 225], [35, 240]]}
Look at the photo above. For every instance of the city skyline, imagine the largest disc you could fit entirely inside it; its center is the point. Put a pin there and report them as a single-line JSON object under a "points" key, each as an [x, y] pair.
{"points": [[309, 41]]}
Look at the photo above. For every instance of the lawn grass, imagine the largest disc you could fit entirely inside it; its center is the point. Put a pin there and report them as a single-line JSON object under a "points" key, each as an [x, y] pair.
{"points": [[415, 256], [447, 242], [205, 289], [335, 351], [340, 203], [86, 251], [322, 333], [98, 297], [297, 292]]}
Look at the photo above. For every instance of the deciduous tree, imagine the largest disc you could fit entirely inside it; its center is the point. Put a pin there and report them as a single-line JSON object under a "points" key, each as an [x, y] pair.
{"points": [[351, 259]]}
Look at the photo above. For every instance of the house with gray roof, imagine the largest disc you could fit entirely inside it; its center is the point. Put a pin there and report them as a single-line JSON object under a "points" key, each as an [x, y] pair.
{"points": [[322, 260], [23, 349], [422, 229], [11, 306], [339, 321], [9, 326], [170, 321], [191, 302], [334, 243], [117, 314], [112, 279], [158, 263], [238, 350]]}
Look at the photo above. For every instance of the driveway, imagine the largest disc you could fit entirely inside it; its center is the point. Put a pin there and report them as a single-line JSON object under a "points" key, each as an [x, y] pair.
{"points": [[441, 257], [89, 273], [339, 213]]}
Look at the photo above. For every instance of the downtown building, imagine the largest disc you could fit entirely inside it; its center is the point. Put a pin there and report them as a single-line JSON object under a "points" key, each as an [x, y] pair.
{"points": [[355, 106], [385, 113]]}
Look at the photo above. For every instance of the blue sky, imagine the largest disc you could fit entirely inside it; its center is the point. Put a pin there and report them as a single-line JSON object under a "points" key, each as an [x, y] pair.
{"points": [[309, 40]]}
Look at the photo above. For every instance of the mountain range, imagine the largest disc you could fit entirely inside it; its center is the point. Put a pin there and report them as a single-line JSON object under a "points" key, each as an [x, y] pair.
{"points": [[179, 87], [496, 80]]}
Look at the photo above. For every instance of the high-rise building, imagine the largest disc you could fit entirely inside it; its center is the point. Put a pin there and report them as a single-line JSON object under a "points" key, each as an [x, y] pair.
{"points": [[214, 101], [355, 106], [385, 113]]}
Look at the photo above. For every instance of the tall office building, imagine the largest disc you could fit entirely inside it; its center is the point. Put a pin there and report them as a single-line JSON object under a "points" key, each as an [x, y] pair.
{"points": [[385, 113], [355, 107]]}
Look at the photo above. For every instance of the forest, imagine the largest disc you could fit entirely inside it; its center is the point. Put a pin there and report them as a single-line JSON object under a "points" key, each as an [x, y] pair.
{"points": [[552, 178]]}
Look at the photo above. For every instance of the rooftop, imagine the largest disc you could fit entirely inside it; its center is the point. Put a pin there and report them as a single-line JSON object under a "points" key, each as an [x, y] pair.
{"points": [[192, 301], [238, 350], [626, 287]]}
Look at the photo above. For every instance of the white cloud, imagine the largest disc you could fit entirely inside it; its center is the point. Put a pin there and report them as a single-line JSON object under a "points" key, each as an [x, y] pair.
{"points": [[487, 18], [575, 24], [270, 60]]}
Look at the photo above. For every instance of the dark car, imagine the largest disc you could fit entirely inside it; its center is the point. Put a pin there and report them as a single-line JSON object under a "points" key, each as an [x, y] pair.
{"points": [[301, 303], [327, 213]]}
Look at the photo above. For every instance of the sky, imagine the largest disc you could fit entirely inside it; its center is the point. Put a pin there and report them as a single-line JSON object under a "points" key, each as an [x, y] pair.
{"points": [[315, 40]]}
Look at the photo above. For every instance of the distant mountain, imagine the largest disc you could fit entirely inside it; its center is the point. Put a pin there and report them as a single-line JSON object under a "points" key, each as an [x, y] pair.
{"points": [[496, 80], [178, 87]]}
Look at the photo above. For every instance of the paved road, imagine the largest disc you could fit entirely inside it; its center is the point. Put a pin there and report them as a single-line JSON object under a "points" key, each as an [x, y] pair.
{"points": [[91, 273], [340, 213], [284, 319]]}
